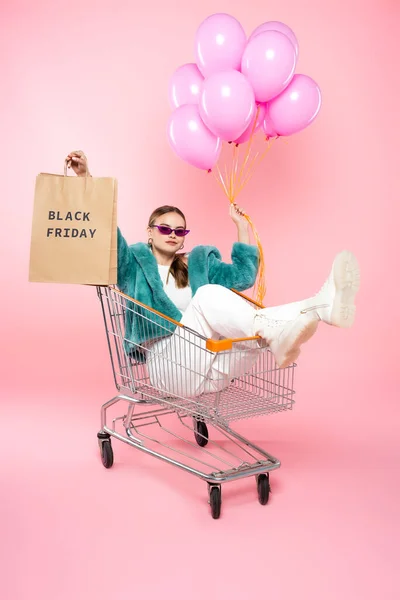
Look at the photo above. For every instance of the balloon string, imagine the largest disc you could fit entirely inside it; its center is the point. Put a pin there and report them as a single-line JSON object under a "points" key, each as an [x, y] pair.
{"points": [[232, 173], [253, 164], [249, 146], [231, 185], [236, 154], [260, 284], [221, 180], [249, 172], [232, 182], [244, 177]]}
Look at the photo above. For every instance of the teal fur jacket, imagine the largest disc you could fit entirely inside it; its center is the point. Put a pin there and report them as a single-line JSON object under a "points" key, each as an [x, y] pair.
{"points": [[138, 277]]}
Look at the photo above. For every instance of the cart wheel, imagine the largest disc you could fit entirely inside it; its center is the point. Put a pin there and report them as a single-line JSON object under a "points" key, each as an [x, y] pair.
{"points": [[215, 502], [201, 433], [263, 488], [107, 455]]}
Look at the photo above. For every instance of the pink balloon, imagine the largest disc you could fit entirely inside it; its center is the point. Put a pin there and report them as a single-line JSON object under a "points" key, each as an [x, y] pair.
{"points": [[220, 41], [185, 85], [296, 107], [277, 26], [260, 119], [268, 62], [227, 104], [268, 126], [190, 138]]}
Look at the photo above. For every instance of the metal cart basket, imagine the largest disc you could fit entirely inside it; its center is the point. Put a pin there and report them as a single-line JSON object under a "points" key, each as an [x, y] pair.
{"points": [[177, 410]]}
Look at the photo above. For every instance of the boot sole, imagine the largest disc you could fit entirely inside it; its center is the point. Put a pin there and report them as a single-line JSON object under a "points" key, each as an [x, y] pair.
{"points": [[346, 273], [290, 348]]}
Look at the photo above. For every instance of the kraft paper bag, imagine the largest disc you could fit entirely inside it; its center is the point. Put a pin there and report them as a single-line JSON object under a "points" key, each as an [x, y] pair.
{"points": [[74, 230]]}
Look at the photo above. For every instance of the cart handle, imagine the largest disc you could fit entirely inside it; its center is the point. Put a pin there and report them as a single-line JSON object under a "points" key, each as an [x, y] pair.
{"points": [[227, 343], [248, 299], [212, 345], [153, 310]]}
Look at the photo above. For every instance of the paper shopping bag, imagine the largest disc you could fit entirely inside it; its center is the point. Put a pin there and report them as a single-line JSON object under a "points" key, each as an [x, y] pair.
{"points": [[74, 230]]}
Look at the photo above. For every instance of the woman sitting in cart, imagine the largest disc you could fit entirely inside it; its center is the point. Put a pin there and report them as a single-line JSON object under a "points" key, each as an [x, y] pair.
{"points": [[195, 290]]}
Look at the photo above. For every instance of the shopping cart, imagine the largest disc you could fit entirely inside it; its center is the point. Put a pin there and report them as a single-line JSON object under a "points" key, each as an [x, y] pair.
{"points": [[165, 415]]}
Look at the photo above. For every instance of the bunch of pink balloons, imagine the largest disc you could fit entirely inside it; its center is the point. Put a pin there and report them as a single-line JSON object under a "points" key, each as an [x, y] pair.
{"points": [[234, 82]]}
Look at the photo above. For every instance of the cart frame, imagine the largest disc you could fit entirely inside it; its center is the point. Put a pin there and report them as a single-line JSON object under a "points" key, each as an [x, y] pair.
{"points": [[262, 388]]}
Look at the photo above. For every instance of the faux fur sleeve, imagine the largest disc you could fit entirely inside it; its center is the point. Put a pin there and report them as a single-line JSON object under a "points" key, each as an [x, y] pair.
{"points": [[125, 263], [241, 274]]}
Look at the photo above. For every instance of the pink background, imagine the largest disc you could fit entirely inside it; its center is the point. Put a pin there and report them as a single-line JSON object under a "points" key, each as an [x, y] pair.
{"points": [[93, 75]]}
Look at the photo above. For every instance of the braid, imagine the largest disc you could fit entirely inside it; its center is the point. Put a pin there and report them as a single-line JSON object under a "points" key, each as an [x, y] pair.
{"points": [[180, 271]]}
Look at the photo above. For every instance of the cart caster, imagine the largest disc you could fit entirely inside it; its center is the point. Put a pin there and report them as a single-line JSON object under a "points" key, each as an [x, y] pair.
{"points": [[200, 433], [215, 500], [106, 451], [263, 488]]}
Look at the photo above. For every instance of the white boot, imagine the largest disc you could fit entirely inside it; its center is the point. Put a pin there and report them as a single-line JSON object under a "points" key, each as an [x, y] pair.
{"points": [[334, 303], [285, 337]]}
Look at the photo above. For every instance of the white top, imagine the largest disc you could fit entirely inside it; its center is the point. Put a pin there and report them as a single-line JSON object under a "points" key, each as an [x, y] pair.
{"points": [[179, 296]]}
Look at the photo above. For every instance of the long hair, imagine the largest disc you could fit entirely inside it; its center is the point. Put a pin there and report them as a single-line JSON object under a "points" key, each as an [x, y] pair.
{"points": [[178, 268]]}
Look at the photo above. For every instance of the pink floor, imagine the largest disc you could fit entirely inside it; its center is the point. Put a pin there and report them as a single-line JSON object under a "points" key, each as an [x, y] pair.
{"points": [[143, 529]]}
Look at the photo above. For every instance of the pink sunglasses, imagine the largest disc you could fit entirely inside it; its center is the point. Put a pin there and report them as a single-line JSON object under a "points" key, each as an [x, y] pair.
{"points": [[165, 230]]}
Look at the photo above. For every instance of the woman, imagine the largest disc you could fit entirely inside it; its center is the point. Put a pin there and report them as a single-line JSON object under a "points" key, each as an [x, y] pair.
{"points": [[195, 290]]}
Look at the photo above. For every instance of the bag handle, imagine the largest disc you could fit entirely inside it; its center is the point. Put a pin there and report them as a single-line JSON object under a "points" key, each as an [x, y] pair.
{"points": [[66, 166]]}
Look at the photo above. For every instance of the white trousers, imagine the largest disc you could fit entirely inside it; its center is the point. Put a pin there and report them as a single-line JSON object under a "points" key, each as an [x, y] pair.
{"points": [[182, 366]]}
